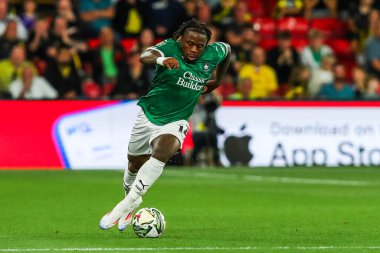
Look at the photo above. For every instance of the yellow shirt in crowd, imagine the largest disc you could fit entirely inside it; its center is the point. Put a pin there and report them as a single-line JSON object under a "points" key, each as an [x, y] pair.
{"points": [[8, 73], [264, 80]]}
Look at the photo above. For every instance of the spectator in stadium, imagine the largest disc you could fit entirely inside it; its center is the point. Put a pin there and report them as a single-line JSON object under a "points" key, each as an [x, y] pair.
{"points": [[204, 13], [339, 89], [31, 86], [362, 21], [38, 41], [312, 55], [227, 87], [29, 15], [286, 8], [320, 8], [137, 79], [95, 14], [222, 13], [298, 81], [244, 91], [191, 8], [146, 39], [109, 60], [321, 76], [131, 16], [262, 76], [373, 89], [241, 53], [63, 75], [283, 58], [5, 17], [240, 19], [359, 77], [9, 39], [216, 33], [372, 53], [166, 16], [10, 68], [66, 11], [62, 36]]}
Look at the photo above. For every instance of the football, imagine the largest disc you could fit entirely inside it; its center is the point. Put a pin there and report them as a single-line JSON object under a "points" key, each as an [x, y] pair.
{"points": [[148, 223]]}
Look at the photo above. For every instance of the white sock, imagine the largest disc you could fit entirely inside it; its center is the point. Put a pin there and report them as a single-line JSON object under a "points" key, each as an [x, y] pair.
{"points": [[129, 178], [147, 175]]}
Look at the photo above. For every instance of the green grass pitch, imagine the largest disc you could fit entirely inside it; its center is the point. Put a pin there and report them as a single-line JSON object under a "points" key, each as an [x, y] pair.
{"points": [[207, 210]]}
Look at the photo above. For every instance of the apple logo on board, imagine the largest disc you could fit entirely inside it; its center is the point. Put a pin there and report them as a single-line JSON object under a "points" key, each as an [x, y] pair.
{"points": [[236, 149]]}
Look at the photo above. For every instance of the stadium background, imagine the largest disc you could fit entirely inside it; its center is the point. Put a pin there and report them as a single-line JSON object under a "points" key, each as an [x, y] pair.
{"points": [[325, 200], [326, 52]]}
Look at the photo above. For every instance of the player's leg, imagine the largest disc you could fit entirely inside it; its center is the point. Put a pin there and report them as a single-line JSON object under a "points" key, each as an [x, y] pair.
{"points": [[165, 141], [139, 151], [164, 147], [134, 165]]}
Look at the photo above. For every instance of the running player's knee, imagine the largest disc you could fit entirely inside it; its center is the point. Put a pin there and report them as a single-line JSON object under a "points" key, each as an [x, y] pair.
{"points": [[164, 147]]}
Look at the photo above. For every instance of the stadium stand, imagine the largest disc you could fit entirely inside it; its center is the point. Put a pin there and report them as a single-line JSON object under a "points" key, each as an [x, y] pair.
{"points": [[347, 47]]}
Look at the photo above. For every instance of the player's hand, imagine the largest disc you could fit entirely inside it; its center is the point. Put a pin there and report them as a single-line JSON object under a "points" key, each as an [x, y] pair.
{"points": [[210, 86], [171, 63]]}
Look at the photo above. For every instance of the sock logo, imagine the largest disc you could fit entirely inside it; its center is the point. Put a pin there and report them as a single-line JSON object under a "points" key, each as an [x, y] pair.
{"points": [[142, 185]]}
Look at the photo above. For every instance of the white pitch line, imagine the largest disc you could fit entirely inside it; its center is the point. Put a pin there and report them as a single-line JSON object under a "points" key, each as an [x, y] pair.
{"points": [[285, 180], [292, 180], [303, 248]]}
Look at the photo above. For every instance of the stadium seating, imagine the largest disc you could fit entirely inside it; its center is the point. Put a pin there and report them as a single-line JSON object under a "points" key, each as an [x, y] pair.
{"points": [[127, 44], [299, 43], [91, 90], [331, 27], [266, 27], [93, 43], [40, 66], [342, 48], [267, 44], [257, 8], [298, 27]]}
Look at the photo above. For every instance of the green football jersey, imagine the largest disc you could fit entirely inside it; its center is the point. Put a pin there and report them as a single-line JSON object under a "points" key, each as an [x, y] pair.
{"points": [[174, 93]]}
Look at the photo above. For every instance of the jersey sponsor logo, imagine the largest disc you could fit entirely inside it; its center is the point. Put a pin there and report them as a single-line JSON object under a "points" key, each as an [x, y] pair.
{"points": [[190, 76], [190, 81]]}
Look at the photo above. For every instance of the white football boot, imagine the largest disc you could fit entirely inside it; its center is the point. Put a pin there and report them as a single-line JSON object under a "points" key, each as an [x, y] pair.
{"points": [[116, 216], [126, 219], [110, 219]]}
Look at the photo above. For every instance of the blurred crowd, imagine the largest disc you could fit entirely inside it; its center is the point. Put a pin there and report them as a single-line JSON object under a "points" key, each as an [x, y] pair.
{"points": [[281, 49]]}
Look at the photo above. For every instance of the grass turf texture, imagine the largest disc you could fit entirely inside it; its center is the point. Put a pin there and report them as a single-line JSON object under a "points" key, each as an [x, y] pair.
{"points": [[223, 209]]}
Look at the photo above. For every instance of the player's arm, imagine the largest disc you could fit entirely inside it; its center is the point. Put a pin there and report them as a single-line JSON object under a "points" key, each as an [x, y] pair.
{"points": [[220, 72], [152, 57]]}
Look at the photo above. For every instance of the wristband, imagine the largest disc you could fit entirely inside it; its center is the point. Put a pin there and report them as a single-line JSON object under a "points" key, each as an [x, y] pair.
{"points": [[160, 60]]}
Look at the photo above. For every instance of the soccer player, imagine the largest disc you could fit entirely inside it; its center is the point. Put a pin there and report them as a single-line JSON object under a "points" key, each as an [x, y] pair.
{"points": [[184, 68]]}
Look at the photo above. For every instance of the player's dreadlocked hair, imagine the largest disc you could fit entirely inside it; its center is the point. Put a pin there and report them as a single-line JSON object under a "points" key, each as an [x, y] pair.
{"points": [[195, 26]]}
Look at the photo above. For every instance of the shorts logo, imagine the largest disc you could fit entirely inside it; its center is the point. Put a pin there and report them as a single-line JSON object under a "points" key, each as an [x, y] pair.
{"points": [[181, 130], [206, 66]]}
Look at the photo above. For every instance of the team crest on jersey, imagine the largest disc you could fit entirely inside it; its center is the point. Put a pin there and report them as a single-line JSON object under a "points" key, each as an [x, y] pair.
{"points": [[206, 66]]}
